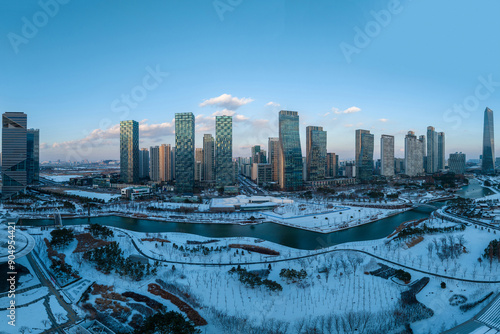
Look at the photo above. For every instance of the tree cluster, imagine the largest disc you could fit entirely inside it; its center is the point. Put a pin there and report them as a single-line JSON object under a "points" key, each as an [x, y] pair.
{"points": [[291, 274], [110, 257], [253, 280], [61, 237], [100, 231]]}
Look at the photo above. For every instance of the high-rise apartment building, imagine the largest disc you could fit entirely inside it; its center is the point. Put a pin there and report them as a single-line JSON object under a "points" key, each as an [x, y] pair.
{"points": [[488, 161], [315, 153], [331, 165], [424, 152], [198, 160], [413, 155], [154, 167], [208, 158], [129, 151], [457, 163], [387, 155], [290, 152], [143, 163], [364, 154], [441, 160], [432, 150], [33, 156], [14, 153], [165, 156], [184, 153], [273, 147], [224, 172]]}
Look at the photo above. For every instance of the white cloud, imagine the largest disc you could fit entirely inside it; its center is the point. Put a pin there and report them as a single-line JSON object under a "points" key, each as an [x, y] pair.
{"points": [[348, 125], [349, 110], [225, 112], [226, 101], [383, 120], [273, 104]]}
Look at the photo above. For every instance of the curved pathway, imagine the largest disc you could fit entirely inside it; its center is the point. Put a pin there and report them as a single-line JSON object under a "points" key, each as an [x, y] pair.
{"points": [[306, 256]]}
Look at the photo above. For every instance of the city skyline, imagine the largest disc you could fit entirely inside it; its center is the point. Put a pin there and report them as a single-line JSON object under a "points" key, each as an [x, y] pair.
{"points": [[327, 89]]}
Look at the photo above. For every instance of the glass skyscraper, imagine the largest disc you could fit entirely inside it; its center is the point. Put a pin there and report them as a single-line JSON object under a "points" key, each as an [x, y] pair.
{"points": [[208, 158], [315, 153], [290, 152], [364, 154], [224, 170], [488, 162], [441, 159], [273, 146], [14, 153], [129, 151], [184, 153], [33, 156], [432, 150], [143, 163]]}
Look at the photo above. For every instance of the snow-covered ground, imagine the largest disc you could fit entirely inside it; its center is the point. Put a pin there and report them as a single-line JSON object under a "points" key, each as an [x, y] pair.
{"points": [[89, 194], [346, 289]]}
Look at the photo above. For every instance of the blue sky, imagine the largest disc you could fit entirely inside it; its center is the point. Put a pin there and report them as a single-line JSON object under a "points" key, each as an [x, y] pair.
{"points": [[418, 60]]}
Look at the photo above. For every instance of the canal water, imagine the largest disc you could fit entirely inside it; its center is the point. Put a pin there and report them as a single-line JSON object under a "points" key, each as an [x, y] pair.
{"points": [[280, 234], [276, 233]]}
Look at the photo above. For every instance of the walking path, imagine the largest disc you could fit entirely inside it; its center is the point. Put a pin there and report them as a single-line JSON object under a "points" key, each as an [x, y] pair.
{"points": [[307, 256]]}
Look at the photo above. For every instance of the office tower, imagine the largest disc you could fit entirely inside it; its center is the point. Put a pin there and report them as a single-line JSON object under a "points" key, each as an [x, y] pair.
{"points": [[165, 162], [432, 150], [399, 165], [413, 155], [364, 154], [129, 151], [331, 165], [315, 153], [154, 168], [424, 151], [33, 156], [487, 163], [457, 163], [290, 153], [208, 158], [143, 163], [172, 164], [387, 155], [273, 147], [441, 160], [198, 159], [14, 153], [258, 155], [261, 173], [184, 153], [224, 173]]}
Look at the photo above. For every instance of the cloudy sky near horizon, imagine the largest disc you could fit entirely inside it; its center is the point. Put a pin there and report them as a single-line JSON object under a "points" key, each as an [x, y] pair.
{"points": [[79, 68]]}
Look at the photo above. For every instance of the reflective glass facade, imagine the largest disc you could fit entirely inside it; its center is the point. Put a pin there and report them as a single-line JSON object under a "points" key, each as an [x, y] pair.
{"points": [[290, 154], [315, 153], [14, 153], [184, 153], [208, 158], [33, 156], [129, 151], [488, 162], [364, 154], [224, 151], [273, 147], [387, 155]]}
